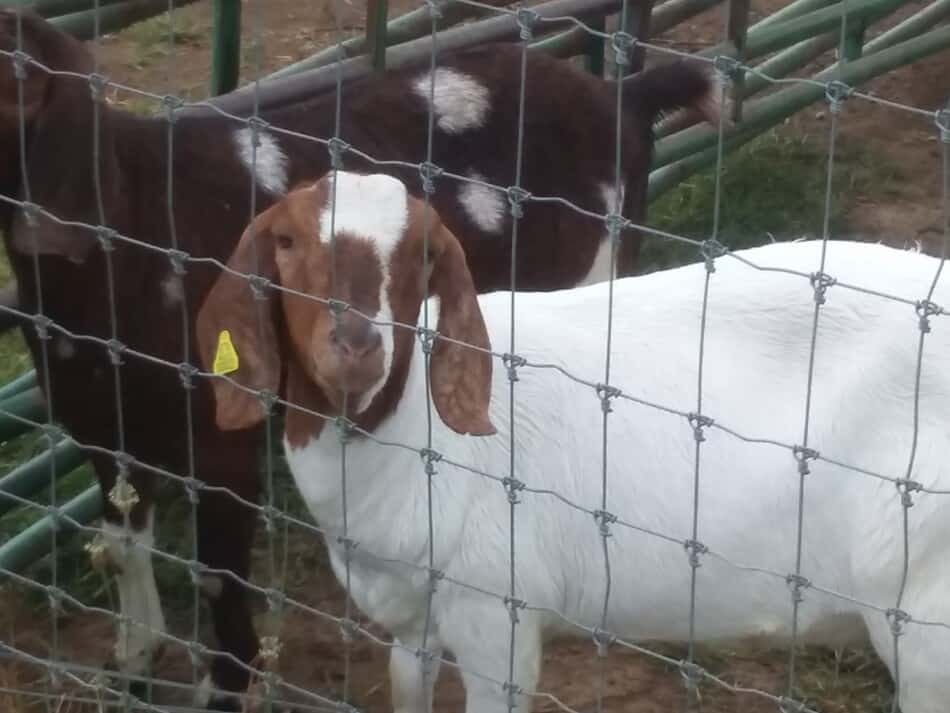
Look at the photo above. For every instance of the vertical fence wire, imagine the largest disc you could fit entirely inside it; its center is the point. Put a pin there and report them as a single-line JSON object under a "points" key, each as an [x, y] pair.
{"points": [[427, 174], [41, 324], [837, 93], [623, 45], [710, 250]]}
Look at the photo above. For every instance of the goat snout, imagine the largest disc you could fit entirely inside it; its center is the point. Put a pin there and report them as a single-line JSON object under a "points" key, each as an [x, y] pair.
{"points": [[356, 338]]}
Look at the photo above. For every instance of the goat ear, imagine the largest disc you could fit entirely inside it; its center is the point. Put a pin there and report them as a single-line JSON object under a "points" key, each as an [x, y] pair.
{"points": [[237, 336], [460, 376], [59, 110]]}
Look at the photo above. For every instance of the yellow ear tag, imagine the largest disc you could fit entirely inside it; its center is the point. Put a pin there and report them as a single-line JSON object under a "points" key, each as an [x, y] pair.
{"points": [[225, 356]]}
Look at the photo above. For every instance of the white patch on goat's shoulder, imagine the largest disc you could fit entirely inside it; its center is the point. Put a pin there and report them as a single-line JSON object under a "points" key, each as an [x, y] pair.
{"points": [[268, 164], [375, 207], [173, 291], [460, 102], [484, 206], [65, 349], [600, 268]]}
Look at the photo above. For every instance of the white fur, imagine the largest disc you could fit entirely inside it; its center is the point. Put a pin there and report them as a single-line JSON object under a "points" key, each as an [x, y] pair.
{"points": [[375, 207], [460, 102], [600, 267], [269, 164], [173, 291], [139, 635], [756, 356], [484, 206]]}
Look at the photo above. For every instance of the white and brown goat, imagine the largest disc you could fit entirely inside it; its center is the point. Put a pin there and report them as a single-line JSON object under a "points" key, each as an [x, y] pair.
{"points": [[756, 369]]}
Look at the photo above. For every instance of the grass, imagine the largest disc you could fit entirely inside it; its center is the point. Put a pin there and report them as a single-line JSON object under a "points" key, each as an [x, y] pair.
{"points": [[149, 40], [772, 189]]}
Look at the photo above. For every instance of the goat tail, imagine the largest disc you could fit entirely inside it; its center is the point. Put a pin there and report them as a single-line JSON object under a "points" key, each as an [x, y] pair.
{"points": [[685, 84]]}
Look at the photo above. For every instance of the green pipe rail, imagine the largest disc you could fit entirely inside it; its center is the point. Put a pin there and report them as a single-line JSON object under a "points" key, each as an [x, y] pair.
{"points": [[785, 41]]}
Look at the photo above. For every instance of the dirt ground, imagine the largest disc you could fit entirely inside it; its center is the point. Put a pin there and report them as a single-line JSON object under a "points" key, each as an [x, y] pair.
{"points": [[312, 650]]}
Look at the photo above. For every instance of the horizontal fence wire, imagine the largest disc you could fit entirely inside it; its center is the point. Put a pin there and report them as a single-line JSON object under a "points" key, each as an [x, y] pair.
{"points": [[91, 686]]}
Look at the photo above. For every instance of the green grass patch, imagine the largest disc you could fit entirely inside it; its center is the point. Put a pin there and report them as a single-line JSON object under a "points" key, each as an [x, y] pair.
{"points": [[773, 188], [153, 40]]}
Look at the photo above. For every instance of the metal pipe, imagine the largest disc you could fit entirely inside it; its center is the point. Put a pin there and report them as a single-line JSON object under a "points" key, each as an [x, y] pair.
{"points": [[29, 405], [276, 92], [17, 385], [54, 8], [34, 475], [226, 46], [911, 27], [33, 543], [695, 148]]}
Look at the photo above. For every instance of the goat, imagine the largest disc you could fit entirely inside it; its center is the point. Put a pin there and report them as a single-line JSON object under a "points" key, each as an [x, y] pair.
{"points": [[476, 102], [757, 345]]}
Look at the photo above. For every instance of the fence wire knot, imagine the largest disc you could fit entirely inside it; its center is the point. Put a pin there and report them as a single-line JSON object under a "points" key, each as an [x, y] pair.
{"points": [[512, 487], [897, 619], [267, 399], [623, 45], [604, 520], [196, 651], [797, 584], [116, 350], [42, 323], [435, 576], [344, 429], [615, 223], [55, 514], [428, 172], [270, 515], [606, 393], [526, 19], [516, 196], [836, 92], [942, 120], [430, 458], [106, 237], [123, 496], [171, 104], [178, 258], [513, 690], [193, 487], [259, 286], [257, 126], [97, 86], [186, 374], [602, 640], [728, 68], [711, 249], [426, 338], [695, 549], [820, 282], [692, 673], [337, 147], [906, 488], [53, 433], [435, 9], [348, 629], [276, 599], [31, 213], [512, 363], [699, 423], [925, 310], [803, 455], [20, 60]]}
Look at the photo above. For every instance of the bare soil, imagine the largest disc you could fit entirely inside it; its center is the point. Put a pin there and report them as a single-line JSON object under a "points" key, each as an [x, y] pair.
{"points": [[313, 654]]}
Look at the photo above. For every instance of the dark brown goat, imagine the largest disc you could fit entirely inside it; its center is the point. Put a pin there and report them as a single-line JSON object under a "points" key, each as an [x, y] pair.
{"points": [[568, 152]]}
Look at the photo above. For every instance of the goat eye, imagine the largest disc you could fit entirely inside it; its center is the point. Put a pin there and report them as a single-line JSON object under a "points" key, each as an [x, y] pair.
{"points": [[284, 242]]}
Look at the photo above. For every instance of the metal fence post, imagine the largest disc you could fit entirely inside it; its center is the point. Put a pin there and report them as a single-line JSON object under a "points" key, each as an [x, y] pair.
{"points": [[226, 46], [376, 19]]}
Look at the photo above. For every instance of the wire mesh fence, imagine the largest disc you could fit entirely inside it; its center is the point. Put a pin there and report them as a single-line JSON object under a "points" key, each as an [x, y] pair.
{"points": [[64, 682]]}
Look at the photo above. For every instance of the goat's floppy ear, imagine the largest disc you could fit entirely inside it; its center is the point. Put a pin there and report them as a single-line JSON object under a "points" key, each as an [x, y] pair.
{"points": [[237, 336], [59, 112], [460, 376]]}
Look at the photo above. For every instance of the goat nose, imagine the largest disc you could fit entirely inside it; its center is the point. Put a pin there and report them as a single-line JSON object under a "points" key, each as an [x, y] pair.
{"points": [[356, 338]]}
